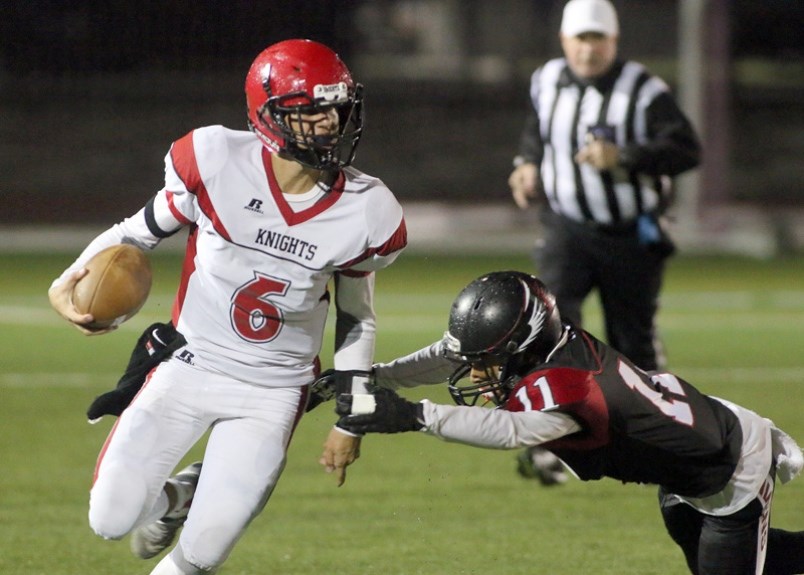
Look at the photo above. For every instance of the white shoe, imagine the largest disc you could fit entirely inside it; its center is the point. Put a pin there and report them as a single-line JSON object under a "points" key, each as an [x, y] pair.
{"points": [[150, 540], [538, 463]]}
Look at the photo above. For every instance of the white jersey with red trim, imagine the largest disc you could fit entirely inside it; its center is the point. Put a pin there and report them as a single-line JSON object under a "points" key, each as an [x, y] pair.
{"points": [[253, 297]]}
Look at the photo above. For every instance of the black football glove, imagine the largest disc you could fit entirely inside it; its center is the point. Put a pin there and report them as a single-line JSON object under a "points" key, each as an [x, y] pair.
{"points": [[332, 383], [157, 343], [392, 414], [321, 390]]}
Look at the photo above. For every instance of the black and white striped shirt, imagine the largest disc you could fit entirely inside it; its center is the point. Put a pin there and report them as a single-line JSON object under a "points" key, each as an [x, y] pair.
{"points": [[628, 106]]}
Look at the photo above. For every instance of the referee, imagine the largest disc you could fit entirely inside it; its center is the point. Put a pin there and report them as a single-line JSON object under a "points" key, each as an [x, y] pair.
{"points": [[601, 142]]}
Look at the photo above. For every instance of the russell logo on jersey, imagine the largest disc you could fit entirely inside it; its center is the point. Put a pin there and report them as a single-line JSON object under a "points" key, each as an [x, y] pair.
{"points": [[254, 205]]}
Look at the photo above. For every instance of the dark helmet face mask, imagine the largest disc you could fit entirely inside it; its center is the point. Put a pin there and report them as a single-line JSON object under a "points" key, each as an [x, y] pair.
{"points": [[494, 387], [284, 116]]}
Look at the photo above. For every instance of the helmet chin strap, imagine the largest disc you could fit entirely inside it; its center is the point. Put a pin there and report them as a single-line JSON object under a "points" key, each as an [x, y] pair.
{"points": [[323, 141], [561, 343]]}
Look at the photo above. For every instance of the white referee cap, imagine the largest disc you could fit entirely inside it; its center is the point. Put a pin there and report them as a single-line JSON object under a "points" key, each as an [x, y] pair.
{"points": [[582, 16]]}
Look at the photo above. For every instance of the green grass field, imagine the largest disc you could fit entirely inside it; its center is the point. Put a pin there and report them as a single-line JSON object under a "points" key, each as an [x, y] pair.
{"points": [[412, 504]]}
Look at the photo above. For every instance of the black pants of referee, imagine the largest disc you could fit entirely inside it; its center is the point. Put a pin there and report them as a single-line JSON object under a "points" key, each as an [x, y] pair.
{"points": [[573, 259]]}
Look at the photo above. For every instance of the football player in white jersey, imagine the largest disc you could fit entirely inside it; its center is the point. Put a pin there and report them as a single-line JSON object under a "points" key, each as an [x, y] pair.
{"points": [[274, 214]]}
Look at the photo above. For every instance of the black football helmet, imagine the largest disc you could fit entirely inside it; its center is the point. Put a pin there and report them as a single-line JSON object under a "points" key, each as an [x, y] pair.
{"points": [[507, 319]]}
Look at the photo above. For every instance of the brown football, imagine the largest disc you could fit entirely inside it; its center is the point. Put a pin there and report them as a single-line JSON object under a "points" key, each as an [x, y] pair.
{"points": [[116, 286]]}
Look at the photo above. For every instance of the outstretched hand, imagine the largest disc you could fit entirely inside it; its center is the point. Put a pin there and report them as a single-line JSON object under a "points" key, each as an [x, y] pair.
{"points": [[392, 414]]}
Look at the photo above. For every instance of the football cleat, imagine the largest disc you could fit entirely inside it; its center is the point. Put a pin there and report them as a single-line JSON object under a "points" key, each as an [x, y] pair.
{"points": [[150, 540], [538, 463]]}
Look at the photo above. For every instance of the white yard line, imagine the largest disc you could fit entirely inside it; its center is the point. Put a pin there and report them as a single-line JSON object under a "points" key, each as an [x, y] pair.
{"points": [[56, 380], [45, 317]]}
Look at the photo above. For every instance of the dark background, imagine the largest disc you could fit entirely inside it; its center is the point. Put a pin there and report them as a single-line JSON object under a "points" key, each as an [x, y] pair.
{"points": [[93, 93]]}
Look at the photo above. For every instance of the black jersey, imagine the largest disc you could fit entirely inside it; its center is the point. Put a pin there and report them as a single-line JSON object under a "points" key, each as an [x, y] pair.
{"points": [[636, 426]]}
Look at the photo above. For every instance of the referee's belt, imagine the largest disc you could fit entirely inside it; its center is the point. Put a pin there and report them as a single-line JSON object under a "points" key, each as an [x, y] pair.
{"points": [[628, 228]]}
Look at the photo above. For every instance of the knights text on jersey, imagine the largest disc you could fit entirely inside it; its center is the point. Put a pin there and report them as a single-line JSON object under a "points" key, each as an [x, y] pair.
{"points": [[253, 292], [636, 427]]}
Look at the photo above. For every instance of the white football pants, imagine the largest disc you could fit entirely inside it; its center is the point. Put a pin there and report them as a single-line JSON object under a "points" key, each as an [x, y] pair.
{"points": [[251, 427]]}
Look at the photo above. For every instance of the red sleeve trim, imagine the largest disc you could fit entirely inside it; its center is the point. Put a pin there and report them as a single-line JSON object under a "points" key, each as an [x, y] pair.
{"points": [[397, 241], [182, 155], [180, 217], [187, 270]]}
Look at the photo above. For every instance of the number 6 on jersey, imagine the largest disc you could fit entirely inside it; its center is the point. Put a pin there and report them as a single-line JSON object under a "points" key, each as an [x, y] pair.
{"points": [[254, 317]]}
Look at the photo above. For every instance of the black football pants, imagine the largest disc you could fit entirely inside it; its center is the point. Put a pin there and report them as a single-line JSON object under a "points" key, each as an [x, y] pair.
{"points": [[572, 259], [728, 545]]}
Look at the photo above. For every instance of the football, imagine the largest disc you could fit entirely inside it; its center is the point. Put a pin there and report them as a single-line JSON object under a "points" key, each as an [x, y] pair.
{"points": [[116, 286]]}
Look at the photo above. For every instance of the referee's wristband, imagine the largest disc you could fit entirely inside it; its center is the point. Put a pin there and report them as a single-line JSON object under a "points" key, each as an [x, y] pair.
{"points": [[520, 160]]}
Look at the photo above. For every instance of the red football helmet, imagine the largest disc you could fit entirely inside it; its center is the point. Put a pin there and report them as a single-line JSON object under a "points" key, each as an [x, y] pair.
{"points": [[296, 77]]}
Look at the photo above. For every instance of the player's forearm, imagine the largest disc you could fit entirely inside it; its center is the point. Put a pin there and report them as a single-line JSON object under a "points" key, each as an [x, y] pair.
{"points": [[673, 146], [354, 345], [131, 230], [355, 323], [494, 428], [426, 366], [531, 148]]}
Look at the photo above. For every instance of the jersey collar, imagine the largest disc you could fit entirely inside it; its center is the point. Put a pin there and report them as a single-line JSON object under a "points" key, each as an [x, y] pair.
{"points": [[292, 218]]}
